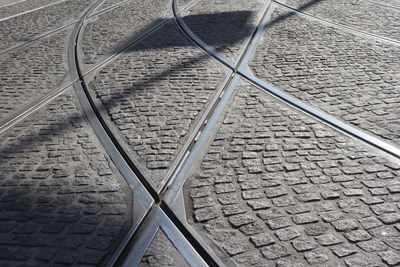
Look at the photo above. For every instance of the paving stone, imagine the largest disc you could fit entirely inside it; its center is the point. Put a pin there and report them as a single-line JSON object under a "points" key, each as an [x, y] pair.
{"points": [[305, 218], [357, 236], [343, 250], [304, 244], [49, 226], [372, 245], [390, 257], [27, 26], [390, 218], [335, 70], [162, 252], [345, 225], [153, 104], [288, 233], [370, 222], [262, 240], [316, 257], [328, 240], [360, 261], [275, 251]]}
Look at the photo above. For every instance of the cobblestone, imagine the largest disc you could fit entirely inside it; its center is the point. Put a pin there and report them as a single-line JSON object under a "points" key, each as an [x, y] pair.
{"points": [[350, 77], [154, 103], [101, 36], [358, 14], [232, 23], [17, 8], [49, 165], [162, 252], [336, 232], [32, 71], [25, 27], [108, 3]]}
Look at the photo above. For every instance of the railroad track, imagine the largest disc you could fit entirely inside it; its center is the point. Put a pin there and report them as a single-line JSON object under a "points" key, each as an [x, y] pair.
{"points": [[163, 207]]}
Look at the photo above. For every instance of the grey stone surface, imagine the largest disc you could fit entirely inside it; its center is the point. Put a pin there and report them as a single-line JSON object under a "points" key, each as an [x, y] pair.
{"points": [[224, 25], [353, 78], [108, 3], [358, 14], [298, 223], [25, 6], [25, 27], [61, 200], [390, 2], [32, 71], [154, 94], [162, 252], [105, 33], [182, 3]]}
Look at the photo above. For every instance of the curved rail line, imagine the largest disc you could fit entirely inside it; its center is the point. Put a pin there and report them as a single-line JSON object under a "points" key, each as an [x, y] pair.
{"points": [[338, 25], [163, 208], [310, 110], [382, 4], [141, 187], [174, 197], [53, 31], [11, 4]]}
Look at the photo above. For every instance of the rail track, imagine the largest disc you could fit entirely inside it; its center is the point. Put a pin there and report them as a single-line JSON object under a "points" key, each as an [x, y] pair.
{"points": [[163, 207]]}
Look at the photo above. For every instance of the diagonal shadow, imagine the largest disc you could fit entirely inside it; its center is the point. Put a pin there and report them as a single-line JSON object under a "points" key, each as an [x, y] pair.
{"points": [[229, 39], [32, 141]]}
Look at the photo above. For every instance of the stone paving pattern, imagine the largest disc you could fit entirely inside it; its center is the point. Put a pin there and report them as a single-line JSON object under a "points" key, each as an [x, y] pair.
{"points": [[277, 187], [101, 36], [31, 71], [17, 8], [162, 252], [353, 78], [108, 3], [155, 93], [61, 200], [232, 22], [358, 14], [395, 3], [25, 27]]}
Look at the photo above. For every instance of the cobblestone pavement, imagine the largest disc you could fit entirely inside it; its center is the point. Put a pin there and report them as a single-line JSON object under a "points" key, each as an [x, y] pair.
{"points": [[351, 77], [277, 187], [267, 185], [359, 14], [232, 23], [162, 252], [31, 71], [25, 27], [25, 6], [108, 3], [61, 200], [101, 37], [155, 93], [395, 3]]}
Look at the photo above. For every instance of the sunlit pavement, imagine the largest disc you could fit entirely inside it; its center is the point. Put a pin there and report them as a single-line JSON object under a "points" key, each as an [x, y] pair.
{"points": [[200, 133]]}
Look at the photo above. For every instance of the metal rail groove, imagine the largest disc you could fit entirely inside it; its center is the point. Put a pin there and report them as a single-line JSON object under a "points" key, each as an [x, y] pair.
{"points": [[32, 10], [142, 199], [47, 33], [11, 4], [382, 4], [338, 25], [41, 101]]}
